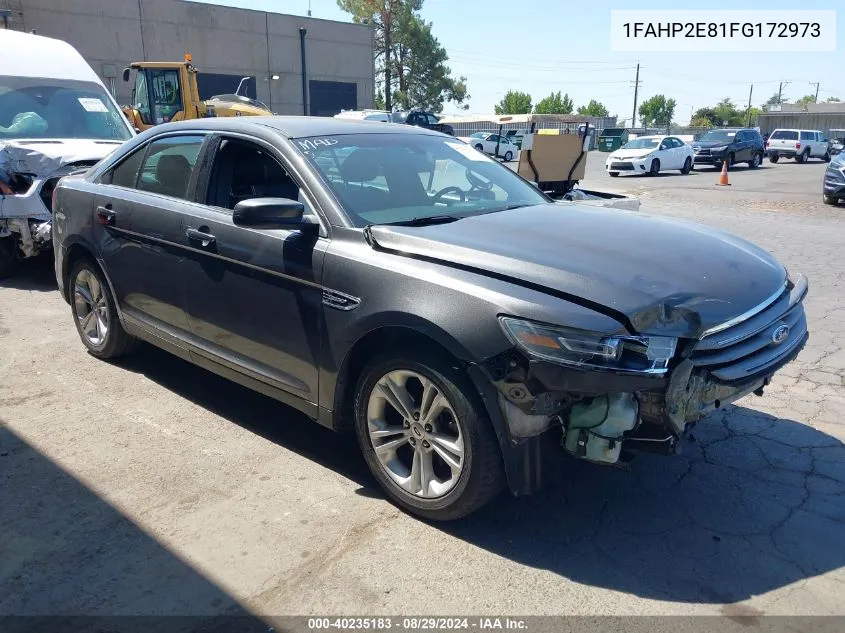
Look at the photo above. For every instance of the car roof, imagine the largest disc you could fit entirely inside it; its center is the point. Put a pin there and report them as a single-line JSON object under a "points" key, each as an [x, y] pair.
{"points": [[651, 136], [293, 126]]}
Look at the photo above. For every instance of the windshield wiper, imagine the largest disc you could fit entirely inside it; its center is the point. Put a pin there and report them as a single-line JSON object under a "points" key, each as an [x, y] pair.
{"points": [[424, 221]]}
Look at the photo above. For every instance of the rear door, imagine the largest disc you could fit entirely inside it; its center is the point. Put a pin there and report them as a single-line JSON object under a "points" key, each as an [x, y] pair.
{"points": [[783, 140], [141, 241], [741, 151], [253, 296]]}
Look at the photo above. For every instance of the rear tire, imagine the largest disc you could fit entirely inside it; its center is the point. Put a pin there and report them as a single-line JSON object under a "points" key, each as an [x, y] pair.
{"points": [[95, 314], [774, 158], [803, 157], [755, 161], [465, 435], [479, 147], [830, 200], [687, 168], [826, 157], [8, 256]]}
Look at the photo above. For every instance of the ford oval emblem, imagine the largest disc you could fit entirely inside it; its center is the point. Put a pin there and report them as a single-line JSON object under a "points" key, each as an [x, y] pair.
{"points": [[780, 334]]}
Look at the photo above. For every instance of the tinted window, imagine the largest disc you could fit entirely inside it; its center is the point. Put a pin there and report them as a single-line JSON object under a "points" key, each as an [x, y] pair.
{"points": [[677, 142], [243, 171], [380, 178], [433, 120], [785, 135], [168, 165], [126, 173], [808, 136]]}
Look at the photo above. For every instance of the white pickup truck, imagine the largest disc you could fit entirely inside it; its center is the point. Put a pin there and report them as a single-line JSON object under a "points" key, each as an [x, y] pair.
{"points": [[802, 145]]}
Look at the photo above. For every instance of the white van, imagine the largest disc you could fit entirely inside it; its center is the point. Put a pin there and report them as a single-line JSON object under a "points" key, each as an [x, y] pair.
{"points": [[56, 117]]}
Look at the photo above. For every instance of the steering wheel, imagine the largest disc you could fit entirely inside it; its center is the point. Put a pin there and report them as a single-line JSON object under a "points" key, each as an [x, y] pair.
{"points": [[478, 183], [446, 190]]}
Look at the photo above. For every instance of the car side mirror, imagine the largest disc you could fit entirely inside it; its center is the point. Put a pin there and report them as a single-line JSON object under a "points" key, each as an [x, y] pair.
{"points": [[273, 213], [126, 74]]}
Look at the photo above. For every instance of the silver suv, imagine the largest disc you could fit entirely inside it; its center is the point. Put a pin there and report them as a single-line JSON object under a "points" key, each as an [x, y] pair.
{"points": [[802, 145]]}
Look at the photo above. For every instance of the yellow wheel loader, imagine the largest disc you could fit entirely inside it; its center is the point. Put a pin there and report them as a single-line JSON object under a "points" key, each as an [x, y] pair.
{"points": [[167, 91]]}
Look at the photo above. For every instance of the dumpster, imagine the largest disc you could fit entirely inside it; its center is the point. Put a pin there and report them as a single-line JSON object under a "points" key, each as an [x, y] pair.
{"points": [[612, 138]]}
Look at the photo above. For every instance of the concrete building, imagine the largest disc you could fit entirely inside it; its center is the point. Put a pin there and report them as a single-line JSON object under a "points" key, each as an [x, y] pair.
{"points": [[812, 116], [226, 44]]}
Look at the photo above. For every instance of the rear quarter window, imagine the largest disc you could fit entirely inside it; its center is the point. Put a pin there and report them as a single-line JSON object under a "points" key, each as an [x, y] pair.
{"points": [[785, 135], [808, 136]]}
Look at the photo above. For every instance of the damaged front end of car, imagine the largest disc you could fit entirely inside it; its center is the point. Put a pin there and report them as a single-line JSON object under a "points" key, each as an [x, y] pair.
{"points": [[610, 396], [28, 178]]}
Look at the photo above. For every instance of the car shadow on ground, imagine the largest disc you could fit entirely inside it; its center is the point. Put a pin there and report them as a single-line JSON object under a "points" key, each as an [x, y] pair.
{"points": [[754, 502], [66, 550], [36, 273]]}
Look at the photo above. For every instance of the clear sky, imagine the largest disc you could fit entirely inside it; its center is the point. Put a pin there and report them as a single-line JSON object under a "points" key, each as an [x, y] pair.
{"points": [[538, 46]]}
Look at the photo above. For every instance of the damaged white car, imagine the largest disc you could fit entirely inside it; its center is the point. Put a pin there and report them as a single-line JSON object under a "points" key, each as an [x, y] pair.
{"points": [[56, 117]]}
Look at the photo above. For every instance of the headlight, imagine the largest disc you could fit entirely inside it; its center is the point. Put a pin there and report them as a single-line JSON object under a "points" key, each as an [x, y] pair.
{"points": [[641, 156], [567, 346], [721, 148]]}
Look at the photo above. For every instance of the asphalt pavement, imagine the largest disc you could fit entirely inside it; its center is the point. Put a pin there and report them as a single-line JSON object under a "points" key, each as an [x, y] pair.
{"points": [[151, 486]]}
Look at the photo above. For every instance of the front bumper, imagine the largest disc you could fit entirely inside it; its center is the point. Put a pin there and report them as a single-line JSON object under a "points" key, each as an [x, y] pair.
{"points": [[27, 215], [709, 157], [527, 397], [635, 165], [834, 182]]}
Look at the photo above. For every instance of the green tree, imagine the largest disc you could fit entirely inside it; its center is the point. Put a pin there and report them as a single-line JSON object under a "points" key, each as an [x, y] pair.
{"points": [[657, 111], [806, 99], [594, 108], [725, 110], [424, 79], [555, 104], [514, 102], [833, 100], [701, 121], [775, 99], [409, 59]]}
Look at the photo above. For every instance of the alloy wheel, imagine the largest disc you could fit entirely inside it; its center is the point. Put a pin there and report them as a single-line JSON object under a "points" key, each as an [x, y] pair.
{"points": [[90, 307], [415, 434]]}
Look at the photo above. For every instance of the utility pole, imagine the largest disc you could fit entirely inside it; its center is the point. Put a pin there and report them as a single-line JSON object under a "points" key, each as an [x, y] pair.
{"points": [[748, 109], [780, 90], [816, 84], [636, 89]]}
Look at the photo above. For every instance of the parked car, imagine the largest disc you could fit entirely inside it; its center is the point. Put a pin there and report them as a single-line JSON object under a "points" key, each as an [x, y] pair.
{"points": [[802, 145], [365, 115], [833, 188], [837, 141], [422, 119], [717, 146], [55, 118], [419, 294], [649, 155], [493, 144]]}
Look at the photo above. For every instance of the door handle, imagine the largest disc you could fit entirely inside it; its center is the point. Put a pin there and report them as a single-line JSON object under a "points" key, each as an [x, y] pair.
{"points": [[105, 215], [199, 235]]}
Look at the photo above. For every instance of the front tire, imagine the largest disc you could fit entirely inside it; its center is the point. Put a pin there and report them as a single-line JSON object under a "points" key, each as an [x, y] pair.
{"points": [[830, 200], [687, 168], [655, 168], [826, 157], [479, 147], [95, 314], [424, 435], [508, 157], [8, 256], [613, 174]]}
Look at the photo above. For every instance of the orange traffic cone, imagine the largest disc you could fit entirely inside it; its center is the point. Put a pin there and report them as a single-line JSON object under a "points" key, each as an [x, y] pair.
{"points": [[723, 179]]}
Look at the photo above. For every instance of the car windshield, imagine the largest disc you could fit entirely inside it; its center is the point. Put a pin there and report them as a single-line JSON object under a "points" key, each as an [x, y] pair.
{"points": [[724, 136], [480, 135], [786, 135], [387, 178], [642, 143], [56, 108]]}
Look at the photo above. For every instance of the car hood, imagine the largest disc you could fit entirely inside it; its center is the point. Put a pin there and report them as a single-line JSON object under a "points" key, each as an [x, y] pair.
{"points": [[710, 143], [631, 153], [43, 157], [654, 275]]}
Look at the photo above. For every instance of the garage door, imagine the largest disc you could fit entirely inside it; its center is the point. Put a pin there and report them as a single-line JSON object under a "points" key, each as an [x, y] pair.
{"points": [[327, 98]]}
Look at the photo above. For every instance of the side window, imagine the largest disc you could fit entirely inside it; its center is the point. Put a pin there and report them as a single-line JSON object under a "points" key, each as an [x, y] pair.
{"points": [[433, 120], [142, 97], [243, 171], [676, 142], [807, 136], [167, 167], [666, 144], [126, 173]]}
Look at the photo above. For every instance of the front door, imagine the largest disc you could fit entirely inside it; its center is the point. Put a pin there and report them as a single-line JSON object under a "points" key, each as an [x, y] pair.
{"points": [[138, 220], [253, 297]]}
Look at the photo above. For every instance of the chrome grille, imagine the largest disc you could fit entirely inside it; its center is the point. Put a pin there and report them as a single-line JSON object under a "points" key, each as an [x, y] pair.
{"points": [[751, 348]]}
